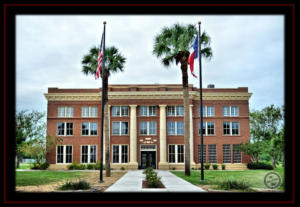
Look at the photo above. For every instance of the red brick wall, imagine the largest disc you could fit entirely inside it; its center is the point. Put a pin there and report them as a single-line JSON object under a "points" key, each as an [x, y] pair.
{"points": [[76, 140]]}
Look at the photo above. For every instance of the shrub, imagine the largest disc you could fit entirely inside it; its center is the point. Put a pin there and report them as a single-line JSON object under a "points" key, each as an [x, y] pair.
{"points": [[233, 184], [153, 179], [90, 166], [148, 170], [122, 168], [207, 166], [173, 168], [259, 165], [76, 166], [41, 166], [223, 166], [81, 185], [215, 166]]}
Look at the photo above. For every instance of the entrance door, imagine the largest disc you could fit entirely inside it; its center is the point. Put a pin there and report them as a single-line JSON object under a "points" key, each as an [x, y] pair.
{"points": [[148, 159]]}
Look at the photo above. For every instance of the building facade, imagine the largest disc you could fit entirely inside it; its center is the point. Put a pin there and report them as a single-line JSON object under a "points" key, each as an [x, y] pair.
{"points": [[146, 126]]}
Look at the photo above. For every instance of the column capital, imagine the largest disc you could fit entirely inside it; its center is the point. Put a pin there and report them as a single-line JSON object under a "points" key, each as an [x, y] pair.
{"points": [[109, 106], [191, 105], [162, 105], [133, 106]]}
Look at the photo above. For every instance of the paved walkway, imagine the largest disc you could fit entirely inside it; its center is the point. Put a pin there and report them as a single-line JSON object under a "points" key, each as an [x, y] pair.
{"points": [[132, 182]]}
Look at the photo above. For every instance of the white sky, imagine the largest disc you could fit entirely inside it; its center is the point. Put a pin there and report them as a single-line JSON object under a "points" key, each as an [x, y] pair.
{"points": [[247, 51]]}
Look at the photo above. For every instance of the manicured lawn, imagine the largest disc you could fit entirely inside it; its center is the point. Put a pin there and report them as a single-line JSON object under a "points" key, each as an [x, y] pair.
{"points": [[24, 178], [24, 166], [254, 177]]}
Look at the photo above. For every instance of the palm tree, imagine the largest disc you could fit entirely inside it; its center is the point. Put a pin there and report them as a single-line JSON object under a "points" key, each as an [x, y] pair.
{"points": [[114, 62], [173, 44]]}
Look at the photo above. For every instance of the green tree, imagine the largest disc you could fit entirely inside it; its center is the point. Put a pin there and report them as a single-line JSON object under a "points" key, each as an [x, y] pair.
{"points": [[29, 125], [114, 62], [267, 134], [38, 147], [172, 45]]}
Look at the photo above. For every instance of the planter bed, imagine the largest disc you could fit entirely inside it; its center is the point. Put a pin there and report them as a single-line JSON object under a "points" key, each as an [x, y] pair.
{"points": [[145, 185]]}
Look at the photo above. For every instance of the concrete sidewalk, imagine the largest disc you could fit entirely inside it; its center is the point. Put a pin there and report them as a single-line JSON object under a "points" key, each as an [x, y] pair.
{"points": [[132, 182]]}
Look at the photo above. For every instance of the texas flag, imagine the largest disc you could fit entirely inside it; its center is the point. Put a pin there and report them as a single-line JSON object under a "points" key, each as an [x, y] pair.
{"points": [[193, 56]]}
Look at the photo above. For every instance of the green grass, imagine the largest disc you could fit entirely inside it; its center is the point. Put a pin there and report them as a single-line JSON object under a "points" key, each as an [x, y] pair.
{"points": [[255, 178], [24, 178], [24, 166]]}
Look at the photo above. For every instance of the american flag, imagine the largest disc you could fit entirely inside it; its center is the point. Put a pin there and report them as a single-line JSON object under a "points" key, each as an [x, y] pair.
{"points": [[100, 58]]}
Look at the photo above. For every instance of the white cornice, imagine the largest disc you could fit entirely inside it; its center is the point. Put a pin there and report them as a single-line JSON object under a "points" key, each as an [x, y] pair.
{"points": [[146, 95]]}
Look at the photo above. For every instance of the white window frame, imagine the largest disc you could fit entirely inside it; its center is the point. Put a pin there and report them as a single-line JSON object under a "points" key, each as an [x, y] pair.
{"points": [[176, 154], [175, 111], [120, 128], [206, 128], [65, 109], [89, 112], [148, 128], [230, 129], [175, 128], [230, 111], [89, 129], [120, 108], [64, 154], [148, 111], [213, 111], [120, 153], [65, 129], [88, 154]]}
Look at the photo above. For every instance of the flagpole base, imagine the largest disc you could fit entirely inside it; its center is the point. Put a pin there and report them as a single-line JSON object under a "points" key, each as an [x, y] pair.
{"points": [[101, 181]]}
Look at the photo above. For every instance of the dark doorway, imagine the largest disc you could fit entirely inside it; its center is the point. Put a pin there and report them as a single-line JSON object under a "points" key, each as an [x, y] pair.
{"points": [[148, 159]]}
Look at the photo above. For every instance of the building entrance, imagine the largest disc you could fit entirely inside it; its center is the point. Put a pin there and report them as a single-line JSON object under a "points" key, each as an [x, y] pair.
{"points": [[148, 156]]}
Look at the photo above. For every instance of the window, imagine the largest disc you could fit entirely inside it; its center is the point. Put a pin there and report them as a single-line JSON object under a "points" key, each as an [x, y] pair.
{"points": [[231, 128], [203, 111], [237, 155], [235, 128], [176, 153], [230, 111], [209, 130], [203, 128], [207, 110], [148, 128], [89, 111], [175, 110], [226, 128], [204, 153], [120, 153], [147, 111], [226, 153], [64, 111], [120, 111], [175, 128], [234, 111], [89, 128], [210, 111], [212, 153], [119, 128], [179, 128], [88, 153], [65, 128], [64, 154]]}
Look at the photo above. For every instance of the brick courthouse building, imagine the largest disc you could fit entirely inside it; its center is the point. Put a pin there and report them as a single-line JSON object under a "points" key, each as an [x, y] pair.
{"points": [[146, 125]]}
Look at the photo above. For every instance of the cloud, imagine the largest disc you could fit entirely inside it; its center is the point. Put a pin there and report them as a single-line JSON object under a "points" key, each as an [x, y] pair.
{"points": [[248, 51]]}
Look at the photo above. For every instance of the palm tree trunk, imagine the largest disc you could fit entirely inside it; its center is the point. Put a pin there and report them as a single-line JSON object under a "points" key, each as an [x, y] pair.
{"points": [[185, 85], [107, 141]]}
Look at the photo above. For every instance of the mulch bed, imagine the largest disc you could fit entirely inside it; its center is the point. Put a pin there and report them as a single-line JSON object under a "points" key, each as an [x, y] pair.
{"points": [[145, 185]]}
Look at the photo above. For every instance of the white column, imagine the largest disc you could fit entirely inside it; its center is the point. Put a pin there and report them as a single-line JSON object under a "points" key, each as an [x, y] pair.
{"points": [[163, 138], [191, 136], [133, 138]]}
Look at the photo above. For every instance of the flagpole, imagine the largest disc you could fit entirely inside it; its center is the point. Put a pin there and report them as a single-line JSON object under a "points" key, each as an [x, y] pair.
{"points": [[201, 105], [102, 109]]}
